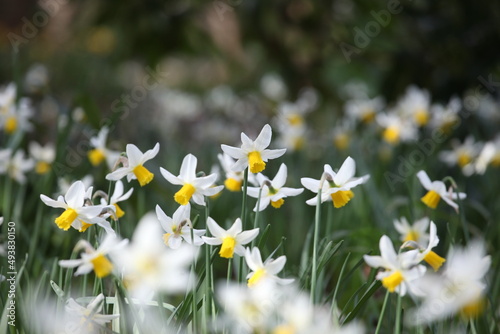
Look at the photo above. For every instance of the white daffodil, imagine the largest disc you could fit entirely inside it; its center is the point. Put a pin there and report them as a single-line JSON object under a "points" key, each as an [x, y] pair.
{"points": [[446, 117], [87, 320], [427, 254], [95, 259], [335, 186], [44, 156], [415, 105], [436, 190], [234, 180], [133, 165], [462, 155], [179, 227], [149, 267], [273, 192], [264, 271], [100, 151], [459, 289], [253, 154], [400, 270], [17, 116], [78, 213], [490, 155], [396, 128], [416, 232], [7, 98], [232, 240], [118, 196], [192, 187], [364, 109], [15, 166]]}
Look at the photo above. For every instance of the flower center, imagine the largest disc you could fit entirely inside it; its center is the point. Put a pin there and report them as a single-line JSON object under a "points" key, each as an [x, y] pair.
{"points": [[102, 266], [295, 119], [341, 141], [434, 260], [65, 220], [42, 167], [391, 134], [143, 175], [473, 309], [421, 117], [184, 194], [463, 159], [227, 248], [392, 281], [256, 277], [255, 162], [10, 125], [412, 235], [96, 156], [277, 204], [431, 199], [233, 184], [119, 211], [341, 197]]}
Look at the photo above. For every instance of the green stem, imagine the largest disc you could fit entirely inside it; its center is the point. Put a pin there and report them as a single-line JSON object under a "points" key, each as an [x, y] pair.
{"points": [[230, 261], [256, 219], [397, 328], [243, 215], [314, 268], [381, 316]]}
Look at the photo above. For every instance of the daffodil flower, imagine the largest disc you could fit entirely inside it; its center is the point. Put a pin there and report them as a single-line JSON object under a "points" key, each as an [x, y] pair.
{"points": [[273, 191], [232, 240], [192, 187], [396, 128], [14, 115], [427, 254], [100, 152], [76, 212], [95, 259], [87, 319], [234, 180], [459, 289], [415, 105], [264, 271], [43, 155], [253, 154], [436, 190], [179, 227], [118, 196], [462, 154], [133, 166], [400, 270], [15, 165], [416, 232], [335, 187]]}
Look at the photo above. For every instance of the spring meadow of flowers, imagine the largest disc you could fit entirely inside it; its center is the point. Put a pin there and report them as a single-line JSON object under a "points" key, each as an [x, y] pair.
{"points": [[381, 219]]}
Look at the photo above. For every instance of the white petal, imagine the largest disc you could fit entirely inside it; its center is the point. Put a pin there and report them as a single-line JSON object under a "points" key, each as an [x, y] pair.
{"points": [[235, 152], [134, 155], [215, 229], [171, 177], [52, 203], [211, 190], [424, 180], [235, 228], [240, 165], [264, 138], [346, 172], [182, 213], [280, 178], [188, 168], [387, 250], [118, 174], [70, 263], [198, 199], [291, 191], [165, 221], [375, 261], [272, 154], [204, 182], [175, 242], [150, 154], [246, 236], [311, 184], [275, 266], [212, 241], [75, 195]]}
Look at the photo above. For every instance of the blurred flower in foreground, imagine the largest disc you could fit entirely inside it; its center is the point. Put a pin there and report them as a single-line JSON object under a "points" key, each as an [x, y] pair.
{"points": [[149, 267], [15, 166], [400, 270], [133, 165], [43, 155], [232, 240], [335, 186], [416, 232], [436, 190], [179, 227], [462, 155], [118, 196], [446, 118], [266, 271], [363, 109], [95, 259], [192, 187], [79, 211], [272, 192], [87, 320], [459, 289], [396, 128], [100, 152], [253, 154]]}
